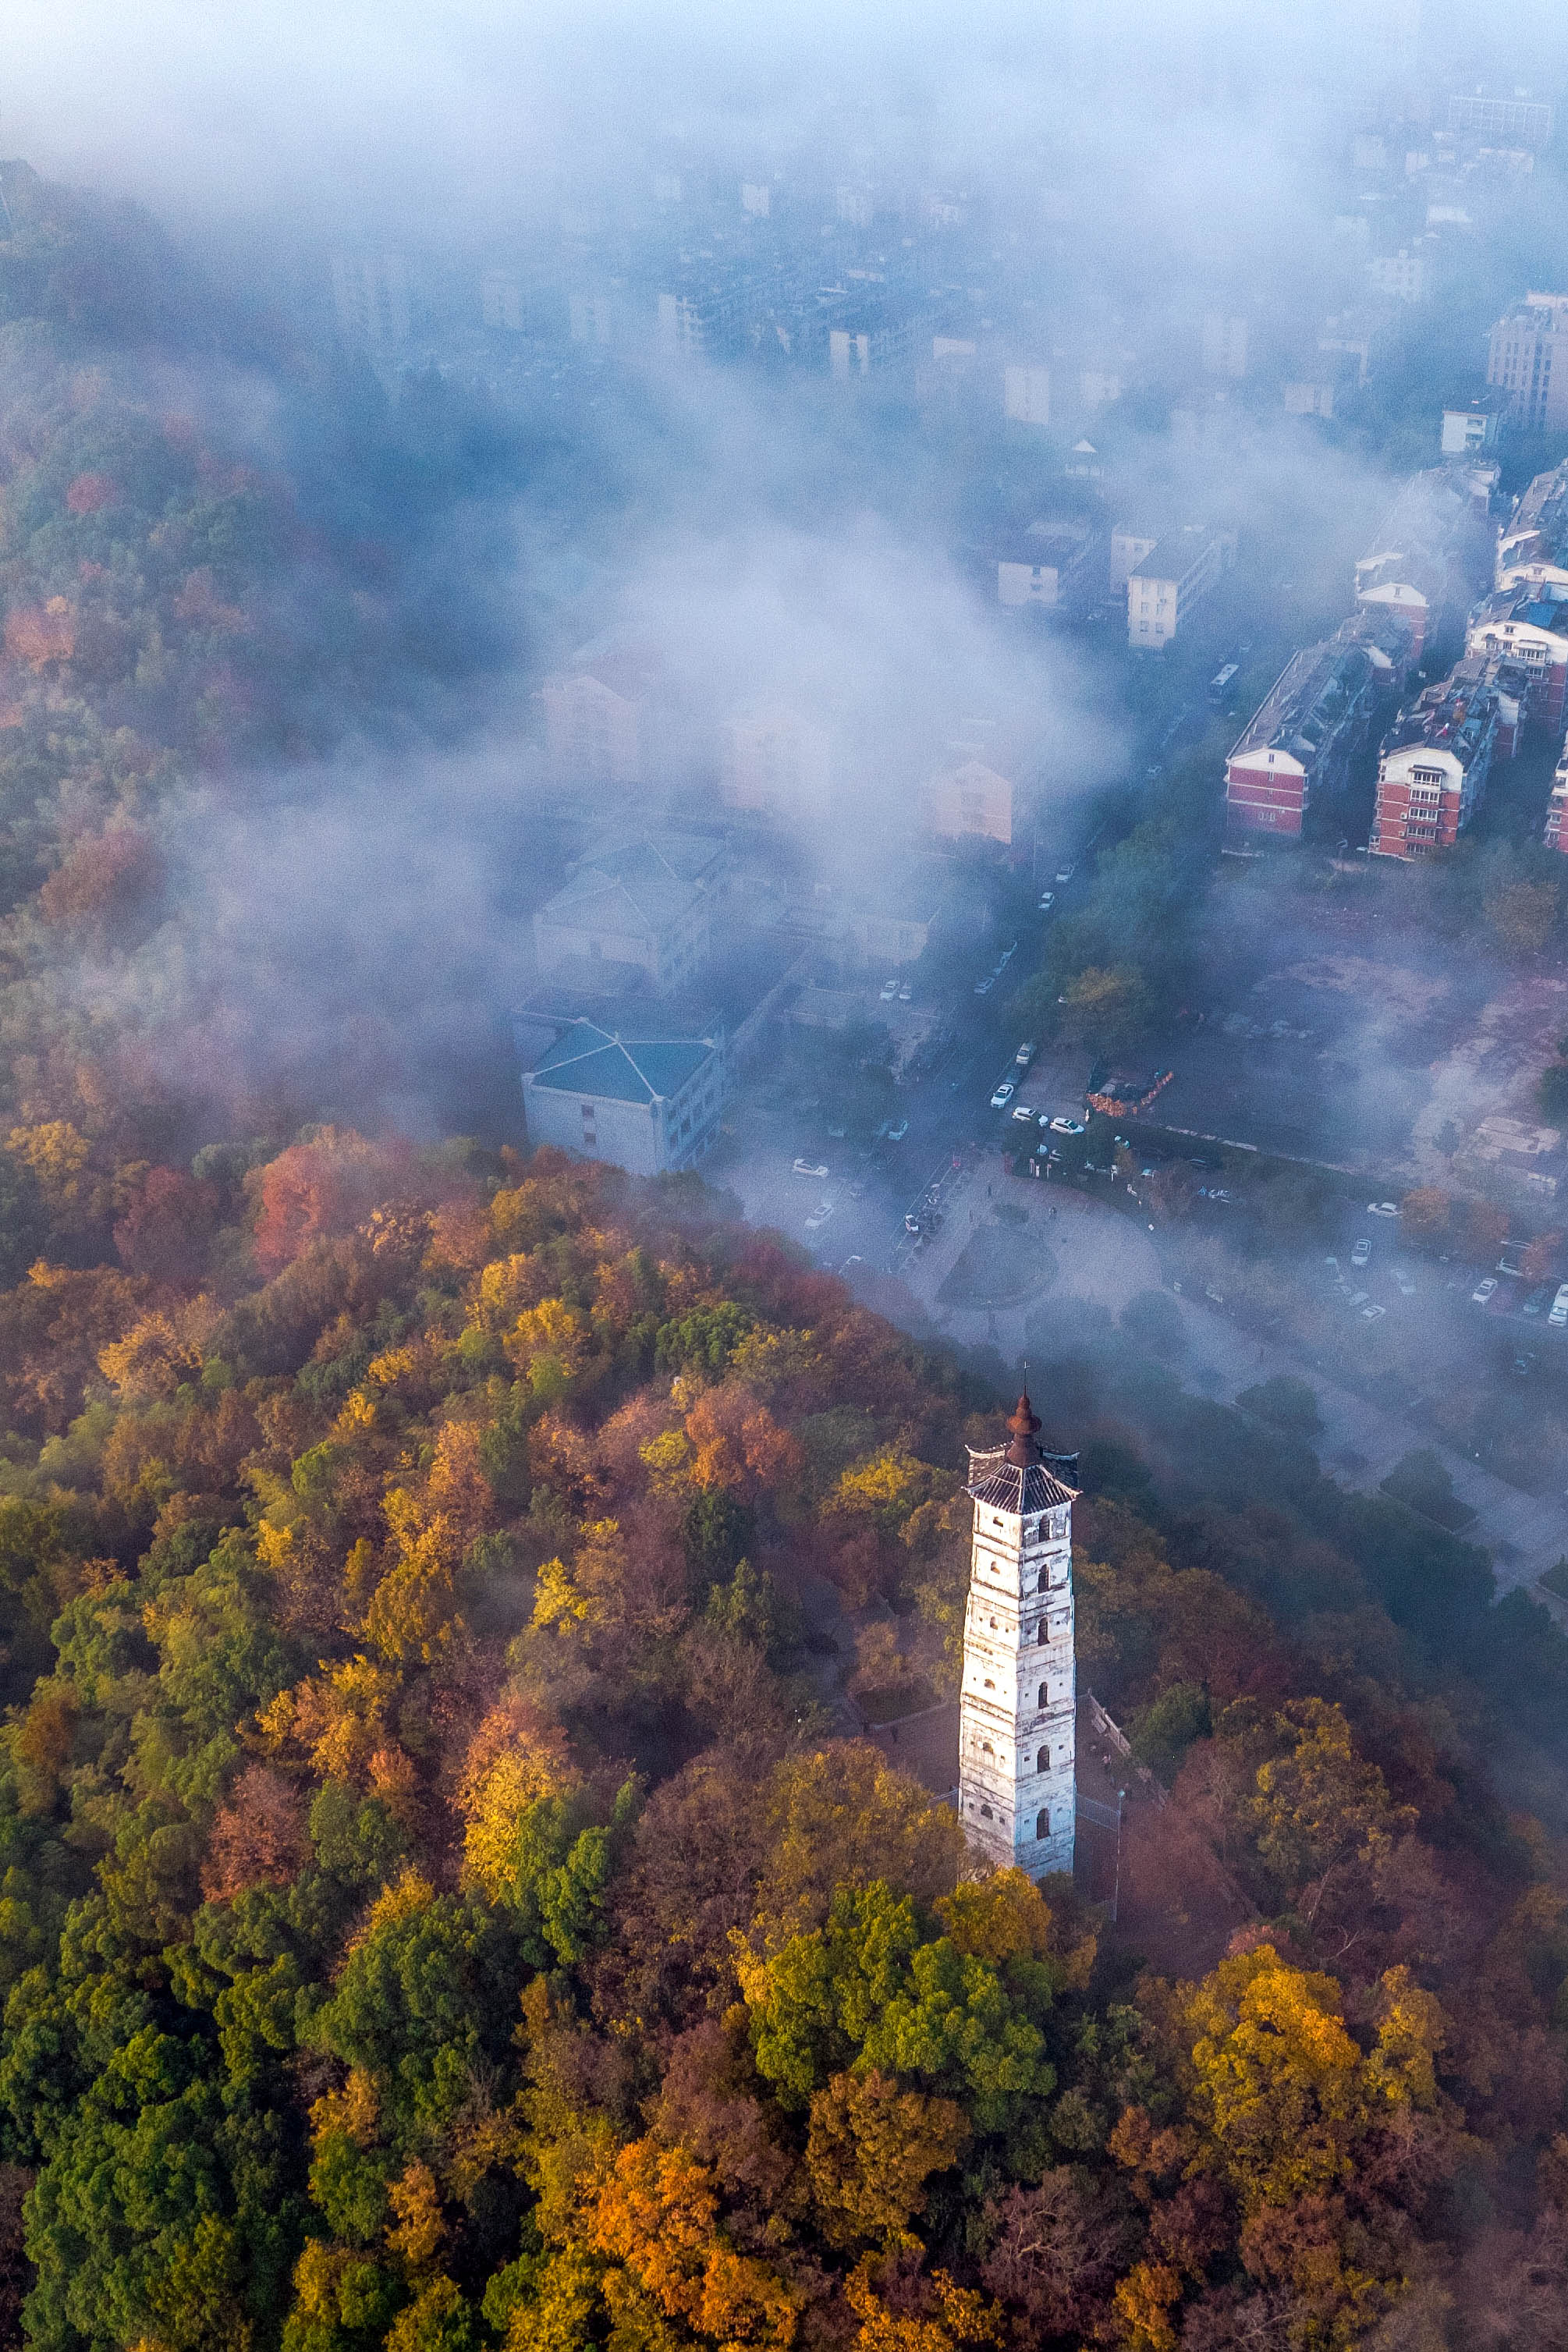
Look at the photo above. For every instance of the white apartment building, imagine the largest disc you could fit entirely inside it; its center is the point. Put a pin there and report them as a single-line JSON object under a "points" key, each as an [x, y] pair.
{"points": [[1164, 583], [1404, 275]]}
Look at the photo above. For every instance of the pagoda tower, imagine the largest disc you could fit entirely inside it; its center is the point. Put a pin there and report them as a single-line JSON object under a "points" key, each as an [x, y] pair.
{"points": [[1018, 1708]]}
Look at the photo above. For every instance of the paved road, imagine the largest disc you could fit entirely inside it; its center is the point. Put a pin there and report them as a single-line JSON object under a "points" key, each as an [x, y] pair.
{"points": [[1103, 1260]]}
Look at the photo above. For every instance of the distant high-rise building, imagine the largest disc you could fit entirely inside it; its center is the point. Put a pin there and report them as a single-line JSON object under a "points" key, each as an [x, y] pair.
{"points": [[1026, 394], [1528, 358], [370, 292], [1502, 121], [500, 300], [1224, 344]]}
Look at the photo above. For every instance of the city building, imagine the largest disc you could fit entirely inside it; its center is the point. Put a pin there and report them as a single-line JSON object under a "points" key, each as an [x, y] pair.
{"points": [[602, 716], [868, 331], [639, 906], [1502, 121], [1299, 742], [370, 295], [1026, 394], [969, 799], [648, 1102], [1556, 833], [1525, 626], [1354, 338], [1018, 1703], [1532, 545], [1434, 762], [1224, 344], [1470, 426], [772, 760], [1405, 276], [1429, 549], [1527, 359], [1051, 563], [703, 315], [1169, 578], [500, 300]]}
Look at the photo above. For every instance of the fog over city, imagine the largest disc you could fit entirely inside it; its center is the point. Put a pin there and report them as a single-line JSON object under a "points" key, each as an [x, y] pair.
{"points": [[874, 497], [783, 1176]]}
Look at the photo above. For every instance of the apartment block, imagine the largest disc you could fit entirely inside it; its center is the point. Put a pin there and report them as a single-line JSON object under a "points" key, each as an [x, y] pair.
{"points": [[1532, 545], [1429, 549], [1435, 760], [1165, 582], [1299, 742], [1522, 625], [1527, 359], [1470, 427], [1556, 833], [1051, 564], [971, 798]]}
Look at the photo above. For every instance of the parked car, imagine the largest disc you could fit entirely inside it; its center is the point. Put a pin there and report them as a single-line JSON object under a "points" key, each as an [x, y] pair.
{"points": [[897, 1134], [1559, 1315], [1405, 1283], [890, 990], [1361, 1251], [1024, 1057], [1383, 1208], [1064, 874], [1369, 1314], [906, 995], [1022, 1112], [1003, 1096], [1067, 1127], [1483, 1291], [911, 1224], [809, 1168], [1048, 901], [1537, 1300], [819, 1216]]}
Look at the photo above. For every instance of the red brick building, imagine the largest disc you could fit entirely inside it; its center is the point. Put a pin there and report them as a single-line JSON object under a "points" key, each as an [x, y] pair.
{"points": [[1300, 741], [1437, 757]]}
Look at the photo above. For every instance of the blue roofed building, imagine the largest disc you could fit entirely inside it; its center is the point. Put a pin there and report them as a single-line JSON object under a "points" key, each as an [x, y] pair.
{"points": [[647, 1101]]}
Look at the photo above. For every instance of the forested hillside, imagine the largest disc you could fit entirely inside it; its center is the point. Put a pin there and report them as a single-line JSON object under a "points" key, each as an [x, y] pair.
{"points": [[434, 1913]]}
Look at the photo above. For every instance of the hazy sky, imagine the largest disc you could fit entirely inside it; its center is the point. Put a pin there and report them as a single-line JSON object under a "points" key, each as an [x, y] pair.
{"points": [[406, 112]]}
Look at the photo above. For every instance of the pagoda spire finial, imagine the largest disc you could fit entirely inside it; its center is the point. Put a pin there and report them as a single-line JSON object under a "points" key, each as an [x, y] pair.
{"points": [[1024, 1424]]}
